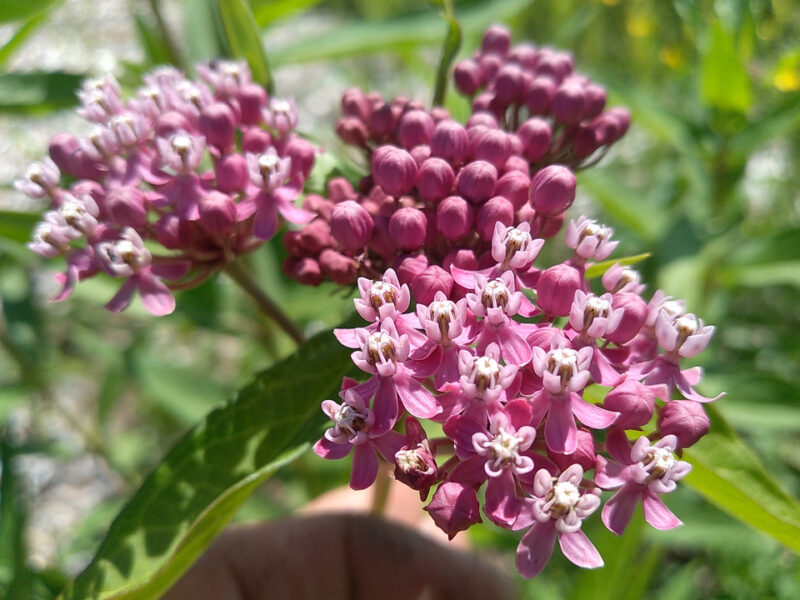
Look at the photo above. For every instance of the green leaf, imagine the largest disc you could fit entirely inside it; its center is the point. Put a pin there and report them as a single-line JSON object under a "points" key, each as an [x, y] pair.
{"points": [[17, 226], [21, 35], [452, 43], [269, 11], [202, 31], [206, 477], [727, 473], [244, 39], [598, 269], [724, 83], [16, 10], [778, 273], [38, 92], [155, 47]]}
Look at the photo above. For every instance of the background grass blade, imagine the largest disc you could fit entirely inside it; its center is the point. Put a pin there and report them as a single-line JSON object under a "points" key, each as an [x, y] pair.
{"points": [[244, 39]]}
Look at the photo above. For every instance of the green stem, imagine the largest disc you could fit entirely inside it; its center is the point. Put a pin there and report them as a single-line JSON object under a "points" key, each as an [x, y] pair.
{"points": [[266, 304], [381, 492]]}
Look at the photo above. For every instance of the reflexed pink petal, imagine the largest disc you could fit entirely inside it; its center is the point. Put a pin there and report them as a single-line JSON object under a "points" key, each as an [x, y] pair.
{"points": [[619, 509], [610, 475], [618, 446], [415, 398], [560, 431], [265, 223], [535, 549], [591, 415], [172, 271], [579, 550], [516, 350], [519, 412], [502, 505], [325, 448], [365, 467], [448, 370], [385, 407], [470, 471], [347, 338], [461, 429], [427, 365], [656, 512], [294, 214], [156, 297], [388, 444], [122, 298]]}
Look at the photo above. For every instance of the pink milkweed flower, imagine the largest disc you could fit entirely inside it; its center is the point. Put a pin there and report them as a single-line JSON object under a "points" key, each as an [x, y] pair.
{"points": [[684, 337], [100, 99], [514, 247], [564, 373], [353, 429], [51, 236], [590, 240], [227, 77], [499, 454], [497, 301], [80, 213], [182, 152], [415, 464], [40, 179], [280, 115], [620, 278], [129, 129], [127, 257], [644, 471], [593, 317], [557, 509]]}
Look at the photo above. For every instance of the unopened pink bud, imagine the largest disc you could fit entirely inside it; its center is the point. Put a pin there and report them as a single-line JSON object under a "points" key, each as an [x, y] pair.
{"points": [[454, 218], [476, 181], [217, 213], [584, 141], [569, 103], [517, 163], [431, 280], [316, 203], [302, 154], [305, 270], [550, 226], [454, 507], [463, 258], [485, 119], [316, 235], [337, 267], [381, 121], [407, 228], [339, 189], [508, 84], [420, 154], [415, 128], [595, 100], [256, 140], [535, 135], [394, 169], [231, 173], [409, 266], [171, 123], [623, 118], [552, 190], [634, 401], [467, 76], [685, 419], [352, 131], [126, 206], [380, 242], [435, 179], [351, 225], [513, 186], [252, 101], [62, 147], [496, 39], [168, 232], [493, 211], [539, 95], [491, 145], [556, 288], [634, 316], [450, 142], [489, 65], [218, 124], [293, 244], [355, 104], [584, 454]]}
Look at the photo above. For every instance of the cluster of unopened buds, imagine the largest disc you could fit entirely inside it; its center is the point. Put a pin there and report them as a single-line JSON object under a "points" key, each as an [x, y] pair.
{"points": [[204, 170], [437, 187], [505, 370]]}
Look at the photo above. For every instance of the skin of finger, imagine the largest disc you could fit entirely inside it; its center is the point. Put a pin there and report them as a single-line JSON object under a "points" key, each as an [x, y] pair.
{"points": [[336, 557]]}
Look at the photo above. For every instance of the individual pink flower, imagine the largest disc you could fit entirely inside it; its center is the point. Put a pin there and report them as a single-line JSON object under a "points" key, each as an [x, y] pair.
{"points": [[40, 179], [415, 464], [644, 471], [353, 430], [589, 240], [281, 115], [593, 317], [557, 510], [620, 278]]}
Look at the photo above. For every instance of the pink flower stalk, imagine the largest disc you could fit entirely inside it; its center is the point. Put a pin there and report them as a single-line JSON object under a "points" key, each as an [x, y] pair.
{"points": [[353, 430], [557, 510], [642, 472]]}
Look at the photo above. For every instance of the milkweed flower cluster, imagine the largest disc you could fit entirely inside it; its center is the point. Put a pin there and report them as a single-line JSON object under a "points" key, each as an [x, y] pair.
{"points": [[512, 371], [202, 169], [437, 187]]}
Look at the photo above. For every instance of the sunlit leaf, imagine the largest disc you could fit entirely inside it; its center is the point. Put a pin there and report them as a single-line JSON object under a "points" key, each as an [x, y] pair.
{"points": [[724, 82], [244, 39], [16, 10], [598, 269], [38, 92]]}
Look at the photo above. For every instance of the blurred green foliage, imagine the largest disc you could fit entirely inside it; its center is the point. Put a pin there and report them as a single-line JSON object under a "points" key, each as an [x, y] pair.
{"points": [[704, 182]]}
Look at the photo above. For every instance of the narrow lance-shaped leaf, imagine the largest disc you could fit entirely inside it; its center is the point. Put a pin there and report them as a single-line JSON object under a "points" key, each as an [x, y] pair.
{"points": [[452, 43], [598, 269], [244, 39], [205, 478]]}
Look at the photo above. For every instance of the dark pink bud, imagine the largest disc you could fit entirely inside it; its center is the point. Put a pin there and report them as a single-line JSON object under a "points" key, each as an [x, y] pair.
{"points": [[355, 104], [515, 143], [552, 190], [483, 103], [62, 147], [305, 270], [231, 173], [420, 154], [381, 242], [569, 103], [168, 232], [467, 76], [491, 145], [523, 54], [482, 118], [514, 187], [584, 455], [415, 128], [595, 100], [217, 213], [584, 141], [322, 206], [171, 123], [685, 419], [463, 258], [337, 267], [339, 189], [302, 154], [454, 507], [535, 135], [381, 121], [84, 166], [449, 141], [352, 130], [517, 163], [407, 228], [252, 100], [623, 118], [454, 218], [293, 244], [218, 123], [126, 206], [435, 179], [634, 401], [476, 181], [394, 169], [431, 280], [256, 140], [439, 113], [493, 211], [556, 288], [526, 214], [508, 85], [496, 39], [550, 226], [316, 235], [633, 318], [351, 225], [489, 65], [539, 95], [409, 266]]}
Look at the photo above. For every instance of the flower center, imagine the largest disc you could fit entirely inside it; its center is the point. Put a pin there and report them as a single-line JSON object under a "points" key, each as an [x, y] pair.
{"points": [[181, 144], [563, 498], [411, 459], [280, 106], [485, 371], [516, 240], [658, 462], [349, 419], [503, 448], [380, 348], [564, 363], [381, 293], [443, 312], [495, 294]]}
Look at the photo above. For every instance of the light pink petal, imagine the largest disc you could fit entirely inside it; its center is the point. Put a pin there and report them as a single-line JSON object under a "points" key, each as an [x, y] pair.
{"points": [[156, 297], [347, 337], [560, 431], [579, 550], [591, 415], [265, 223], [415, 398], [385, 407], [448, 369], [365, 467], [690, 393], [540, 402], [122, 298], [516, 350], [618, 446], [656, 512], [502, 504], [294, 214], [535, 549], [173, 271], [325, 448], [619, 509], [609, 475], [427, 365]]}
